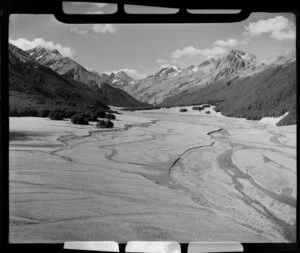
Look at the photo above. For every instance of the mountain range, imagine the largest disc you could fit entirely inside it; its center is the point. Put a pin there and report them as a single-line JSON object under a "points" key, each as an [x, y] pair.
{"points": [[40, 76], [172, 80], [237, 83]]}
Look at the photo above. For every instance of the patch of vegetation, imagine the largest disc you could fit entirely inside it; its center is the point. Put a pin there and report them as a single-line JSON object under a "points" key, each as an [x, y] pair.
{"points": [[183, 110], [43, 113], [207, 112], [80, 119], [139, 108], [56, 115], [197, 108], [105, 124], [110, 116]]}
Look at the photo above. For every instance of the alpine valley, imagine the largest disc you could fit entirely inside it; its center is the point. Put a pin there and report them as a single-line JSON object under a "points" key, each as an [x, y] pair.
{"points": [[237, 83]]}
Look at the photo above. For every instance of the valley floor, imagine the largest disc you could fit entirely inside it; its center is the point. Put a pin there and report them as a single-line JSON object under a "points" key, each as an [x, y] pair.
{"points": [[158, 175]]}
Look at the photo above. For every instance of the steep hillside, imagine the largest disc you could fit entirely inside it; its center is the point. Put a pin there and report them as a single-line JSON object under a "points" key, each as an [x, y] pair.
{"points": [[70, 69], [171, 81], [34, 85], [271, 92]]}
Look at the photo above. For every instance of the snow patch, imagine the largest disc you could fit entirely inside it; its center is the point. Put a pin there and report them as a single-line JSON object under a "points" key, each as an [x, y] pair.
{"points": [[272, 120]]}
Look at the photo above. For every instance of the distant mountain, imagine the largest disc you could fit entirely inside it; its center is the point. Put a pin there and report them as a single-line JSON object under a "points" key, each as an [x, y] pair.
{"points": [[32, 85], [171, 81], [268, 93], [121, 79], [70, 69]]}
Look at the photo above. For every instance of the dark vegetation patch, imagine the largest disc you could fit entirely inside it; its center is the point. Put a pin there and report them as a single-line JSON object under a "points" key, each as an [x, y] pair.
{"points": [[270, 93], [207, 112], [290, 119], [144, 107], [80, 119], [110, 116], [183, 110], [56, 115], [197, 108], [104, 124]]}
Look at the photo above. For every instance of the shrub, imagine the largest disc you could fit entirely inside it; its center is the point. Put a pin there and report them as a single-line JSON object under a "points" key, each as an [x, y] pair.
{"points": [[110, 116], [80, 119], [56, 115], [183, 110], [68, 113], [197, 108], [207, 112], [92, 117], [43, 113], [100, 113], [27, 112], [13, 113], [104, 124], [116, 112], [205, 106]]}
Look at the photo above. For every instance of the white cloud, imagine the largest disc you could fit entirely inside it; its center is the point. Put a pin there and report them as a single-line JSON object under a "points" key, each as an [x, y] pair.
{"points": [[279, 28], [103, 28], [160, 60], [79, 30], [95, 28], [192, 52], [227, 43], [135, 74], [29, 44]]}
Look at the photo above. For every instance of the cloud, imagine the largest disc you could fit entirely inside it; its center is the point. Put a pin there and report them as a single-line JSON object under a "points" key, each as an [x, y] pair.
{"points": [[78, 30], [103, 28], [29, 44], [192, 52], [227, 43], [95, 28], [135, 74], [160, 60], [279, 28]]}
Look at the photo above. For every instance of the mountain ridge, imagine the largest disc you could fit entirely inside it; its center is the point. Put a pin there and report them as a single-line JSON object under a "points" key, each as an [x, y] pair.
{"points": [[170, 81], [69, 68]]}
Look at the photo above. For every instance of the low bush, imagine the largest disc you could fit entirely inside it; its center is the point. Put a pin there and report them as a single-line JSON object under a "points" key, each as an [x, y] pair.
{"points": [[13, 113], [43, 113], [110, 116], [183, 110], [207, 112], [196, 108], [80, 119], [116, 112], [100, 113], [92, 117], [104, 124], [27, 112], [56, 115], [68, 113]]}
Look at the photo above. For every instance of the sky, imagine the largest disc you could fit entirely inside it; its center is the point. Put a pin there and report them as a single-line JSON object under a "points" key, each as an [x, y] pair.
{"points": [[143, 49]]}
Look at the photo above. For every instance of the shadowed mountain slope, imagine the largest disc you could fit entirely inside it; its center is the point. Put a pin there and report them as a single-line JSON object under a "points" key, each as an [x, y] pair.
{"points": [[71, 82], [270, 93]]}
